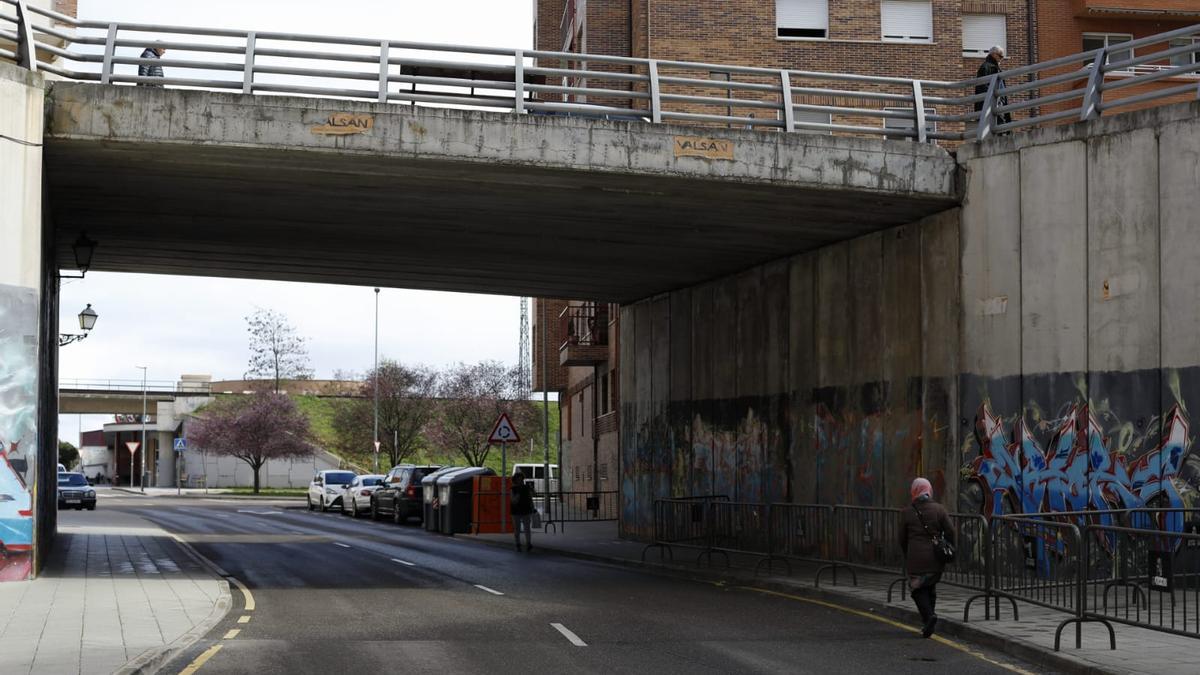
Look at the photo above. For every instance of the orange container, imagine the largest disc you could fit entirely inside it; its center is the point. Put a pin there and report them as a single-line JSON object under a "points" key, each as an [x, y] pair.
{"points": [[491, 504]]}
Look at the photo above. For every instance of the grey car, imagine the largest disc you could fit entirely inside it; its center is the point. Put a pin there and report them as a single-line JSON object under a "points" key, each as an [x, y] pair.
{"points": [[74, 492]]}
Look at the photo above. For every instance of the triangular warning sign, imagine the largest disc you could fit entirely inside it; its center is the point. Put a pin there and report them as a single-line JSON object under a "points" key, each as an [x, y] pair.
{"points": [[504, 431], [132, 445]]}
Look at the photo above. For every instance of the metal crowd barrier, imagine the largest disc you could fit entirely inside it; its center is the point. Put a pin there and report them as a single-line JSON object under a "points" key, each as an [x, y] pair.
{"points": [[582, 507], [682, 523], [801, 532], [867, 538]]}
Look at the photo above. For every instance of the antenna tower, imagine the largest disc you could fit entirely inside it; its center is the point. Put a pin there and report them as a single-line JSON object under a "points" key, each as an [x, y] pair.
{"points": [[524, 360]]}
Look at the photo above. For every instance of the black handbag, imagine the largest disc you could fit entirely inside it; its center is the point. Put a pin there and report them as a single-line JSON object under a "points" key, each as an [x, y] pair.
{"points": [[942, 548]]}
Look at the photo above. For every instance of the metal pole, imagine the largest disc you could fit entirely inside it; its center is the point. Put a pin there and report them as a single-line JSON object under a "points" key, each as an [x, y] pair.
{"points": [[376, 380], [545, 412], [503, 479], [144, 452]]}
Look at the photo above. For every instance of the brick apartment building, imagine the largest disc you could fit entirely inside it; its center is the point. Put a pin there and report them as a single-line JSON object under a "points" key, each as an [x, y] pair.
{"points": [[1066, 27], [581, 367]]}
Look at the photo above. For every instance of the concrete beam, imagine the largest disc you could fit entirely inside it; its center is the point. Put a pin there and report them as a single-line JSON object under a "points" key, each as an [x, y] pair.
{"points": [[204, 183]]}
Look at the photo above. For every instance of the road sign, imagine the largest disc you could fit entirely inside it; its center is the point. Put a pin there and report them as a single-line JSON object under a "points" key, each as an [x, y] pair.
{"points": [[180, 444], [504, 431], [377, 447], [133, 446]]}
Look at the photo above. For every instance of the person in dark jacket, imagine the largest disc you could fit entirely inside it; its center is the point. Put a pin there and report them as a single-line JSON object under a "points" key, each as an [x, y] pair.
{"points": [[990, 67], [918, 526], [147, 70], [521, 507]]}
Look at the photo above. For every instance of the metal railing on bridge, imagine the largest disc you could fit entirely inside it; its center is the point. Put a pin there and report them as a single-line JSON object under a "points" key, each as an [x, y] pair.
{"points": [[133, 386], [1077, 87]]}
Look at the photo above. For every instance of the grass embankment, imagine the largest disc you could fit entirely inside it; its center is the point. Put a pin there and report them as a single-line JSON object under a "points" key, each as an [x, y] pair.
{"points": [[321, 411], [268, 492]]}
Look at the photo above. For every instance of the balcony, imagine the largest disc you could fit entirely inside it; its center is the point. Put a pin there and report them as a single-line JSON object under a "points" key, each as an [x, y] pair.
{"points": [[586, 329], [1180, 10]]}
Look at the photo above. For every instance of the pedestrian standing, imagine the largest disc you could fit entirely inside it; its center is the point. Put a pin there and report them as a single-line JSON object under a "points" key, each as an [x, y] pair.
{"points": [[521, 507], [924, 530], [154, 51]]}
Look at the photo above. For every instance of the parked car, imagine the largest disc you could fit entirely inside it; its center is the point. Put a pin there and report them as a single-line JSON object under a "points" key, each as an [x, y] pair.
{"points": [[325, 490], [535, 475], [399, 496], [74, 492], [356, 496]]}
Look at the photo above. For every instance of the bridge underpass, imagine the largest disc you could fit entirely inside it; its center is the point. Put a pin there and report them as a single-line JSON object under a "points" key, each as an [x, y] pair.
{"points": [[213, 184]]}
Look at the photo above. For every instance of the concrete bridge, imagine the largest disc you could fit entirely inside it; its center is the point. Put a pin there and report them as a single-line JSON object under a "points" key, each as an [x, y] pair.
{"points": [[805, 317]]}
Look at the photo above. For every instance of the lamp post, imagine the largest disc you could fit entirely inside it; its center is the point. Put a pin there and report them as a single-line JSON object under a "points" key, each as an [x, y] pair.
{"points": [[376, 376], [144, 450], [87, 321], [84, 249]]}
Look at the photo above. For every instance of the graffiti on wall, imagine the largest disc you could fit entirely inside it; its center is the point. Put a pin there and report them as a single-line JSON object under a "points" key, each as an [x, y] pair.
{"points": [[18, 427], [1080, 469]]}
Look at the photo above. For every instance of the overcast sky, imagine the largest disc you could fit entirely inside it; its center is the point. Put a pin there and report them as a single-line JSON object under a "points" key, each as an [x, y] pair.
{"points": [[176, 325]]}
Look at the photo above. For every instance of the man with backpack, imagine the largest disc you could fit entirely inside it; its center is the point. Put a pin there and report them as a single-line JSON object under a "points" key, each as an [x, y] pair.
{"points": [[521, 507]]}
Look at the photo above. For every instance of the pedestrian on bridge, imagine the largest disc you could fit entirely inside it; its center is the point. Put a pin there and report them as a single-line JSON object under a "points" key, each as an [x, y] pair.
{"points": [[154, 51], [521, 507], [924, 530]]}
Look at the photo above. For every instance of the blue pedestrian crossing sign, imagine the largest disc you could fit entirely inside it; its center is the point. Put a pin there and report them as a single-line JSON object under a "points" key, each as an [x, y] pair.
{"points": [[180, 444]]}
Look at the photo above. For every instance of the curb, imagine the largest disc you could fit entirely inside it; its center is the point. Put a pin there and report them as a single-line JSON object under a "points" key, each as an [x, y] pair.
{"points": [[1017, 648], [151, 660], [259, 498]]}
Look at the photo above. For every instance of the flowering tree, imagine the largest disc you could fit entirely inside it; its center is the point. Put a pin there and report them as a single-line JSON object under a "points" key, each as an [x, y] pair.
{"points": [[254, 429], [276, 352], [406, 405], [472, 397]]}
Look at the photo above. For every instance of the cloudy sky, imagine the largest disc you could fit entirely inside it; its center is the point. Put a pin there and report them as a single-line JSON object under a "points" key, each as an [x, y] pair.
{"points": [[177, 325]]}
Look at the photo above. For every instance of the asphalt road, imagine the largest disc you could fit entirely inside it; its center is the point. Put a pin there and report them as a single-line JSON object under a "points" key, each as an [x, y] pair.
{"points": [[335, 595]]}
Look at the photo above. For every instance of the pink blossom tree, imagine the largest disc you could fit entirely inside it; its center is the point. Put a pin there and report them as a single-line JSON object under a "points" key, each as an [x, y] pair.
{"points": [[254, 429]]}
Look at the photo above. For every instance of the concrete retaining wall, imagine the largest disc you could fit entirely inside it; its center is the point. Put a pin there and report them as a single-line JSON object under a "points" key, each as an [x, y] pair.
{"points": [[828, 376]]}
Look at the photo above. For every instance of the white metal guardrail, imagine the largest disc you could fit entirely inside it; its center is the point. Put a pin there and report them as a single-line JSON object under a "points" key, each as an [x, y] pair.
{"points": [[1077, 87]]}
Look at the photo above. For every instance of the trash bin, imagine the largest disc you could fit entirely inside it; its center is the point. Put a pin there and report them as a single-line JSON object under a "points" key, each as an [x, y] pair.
{"points": [[430, 504], [457, 492]]}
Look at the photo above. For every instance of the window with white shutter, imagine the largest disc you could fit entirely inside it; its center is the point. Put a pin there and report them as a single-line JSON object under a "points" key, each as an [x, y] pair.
{"points": [[802, 19], [906, 20], [907, 124], [981, 32]]}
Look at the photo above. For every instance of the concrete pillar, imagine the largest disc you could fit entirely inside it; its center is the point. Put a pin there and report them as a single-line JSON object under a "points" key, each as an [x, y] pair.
{"points": [[21, 283], [166, 459]]}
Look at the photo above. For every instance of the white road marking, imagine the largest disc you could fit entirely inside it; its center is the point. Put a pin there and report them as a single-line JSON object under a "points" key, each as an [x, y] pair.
{"points": [[566, 632], [233, 632], [489, 590], [338, 543], [261, 513], [403, 562], [243, 619]]}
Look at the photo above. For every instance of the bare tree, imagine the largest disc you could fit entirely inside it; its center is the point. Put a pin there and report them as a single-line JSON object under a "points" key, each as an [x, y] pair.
{"points": [[254, 429], [406, 404], [472, 397], [276, 351]]}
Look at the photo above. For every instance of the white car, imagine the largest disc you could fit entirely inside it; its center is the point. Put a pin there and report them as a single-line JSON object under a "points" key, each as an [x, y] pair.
{"points": [[325, 490], [356, 496]]}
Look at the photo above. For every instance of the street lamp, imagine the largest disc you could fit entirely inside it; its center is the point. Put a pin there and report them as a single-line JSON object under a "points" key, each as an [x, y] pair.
{"points": [[84, 249], [87, 321], [145, 454], [376, 380]]}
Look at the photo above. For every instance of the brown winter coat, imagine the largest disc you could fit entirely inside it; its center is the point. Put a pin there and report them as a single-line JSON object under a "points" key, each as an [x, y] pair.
{"points": [[917, 545]]}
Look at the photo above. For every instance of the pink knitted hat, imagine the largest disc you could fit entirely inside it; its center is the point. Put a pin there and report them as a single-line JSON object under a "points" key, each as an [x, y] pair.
{"points": [[920, 487]]}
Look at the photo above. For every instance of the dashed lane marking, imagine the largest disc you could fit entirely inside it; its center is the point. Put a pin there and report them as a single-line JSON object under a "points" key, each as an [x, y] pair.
{"points": [[567, 633], [338, 543], [403, 562], [243, 619], [875, 617], [489, 590], [246, 595], [231, 633], [200, 660]]}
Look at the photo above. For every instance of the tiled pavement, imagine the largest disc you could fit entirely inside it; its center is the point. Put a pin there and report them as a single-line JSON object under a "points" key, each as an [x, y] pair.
{"points": [[1032, 637], [117, 592]]}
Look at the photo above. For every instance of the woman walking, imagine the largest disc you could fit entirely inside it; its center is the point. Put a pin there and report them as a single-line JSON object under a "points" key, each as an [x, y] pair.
{"points": [[925, 530]]}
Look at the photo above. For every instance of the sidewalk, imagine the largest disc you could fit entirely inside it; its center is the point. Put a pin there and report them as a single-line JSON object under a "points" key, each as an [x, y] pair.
{"points": [[1032, 638], [202, 493], [118, 595]]}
